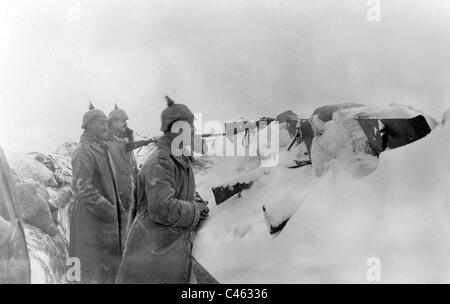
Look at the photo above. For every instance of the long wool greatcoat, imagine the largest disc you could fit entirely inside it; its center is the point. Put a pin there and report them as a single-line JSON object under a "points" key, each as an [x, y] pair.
{"points": [[94, 224], [158, 246], [126, 172]]}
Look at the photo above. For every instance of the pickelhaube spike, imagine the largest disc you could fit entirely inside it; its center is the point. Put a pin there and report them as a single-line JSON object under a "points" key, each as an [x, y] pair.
{"points": [[170, 102]]}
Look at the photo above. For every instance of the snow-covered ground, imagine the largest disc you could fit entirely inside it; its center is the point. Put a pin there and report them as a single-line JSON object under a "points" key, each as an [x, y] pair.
{"points": [[395, 208]]}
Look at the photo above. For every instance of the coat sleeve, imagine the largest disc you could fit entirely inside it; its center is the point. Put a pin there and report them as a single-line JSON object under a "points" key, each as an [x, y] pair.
{"points": [[163, 207], [5, 231], [85, 192]]}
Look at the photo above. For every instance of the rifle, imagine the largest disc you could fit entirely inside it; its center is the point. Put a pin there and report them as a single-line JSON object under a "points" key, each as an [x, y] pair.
{"points": [[303, 132], [212, 135], [133, 145], [297, 135], [238, 127]]}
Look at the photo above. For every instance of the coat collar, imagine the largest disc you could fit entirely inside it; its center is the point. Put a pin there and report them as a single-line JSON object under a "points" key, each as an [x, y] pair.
{"points": [[112, 136]]}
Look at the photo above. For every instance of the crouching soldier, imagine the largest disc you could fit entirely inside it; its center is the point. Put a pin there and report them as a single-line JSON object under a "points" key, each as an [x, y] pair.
{"points": [[94, 225], [121, 145], [159, 244]]}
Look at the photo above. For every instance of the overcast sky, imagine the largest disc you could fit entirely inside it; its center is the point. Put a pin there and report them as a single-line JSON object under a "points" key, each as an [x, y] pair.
{"points": [[224, 58]]}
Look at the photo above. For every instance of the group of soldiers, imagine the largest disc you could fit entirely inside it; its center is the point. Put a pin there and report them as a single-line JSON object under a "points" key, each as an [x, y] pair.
{"points": [[131, 225]]}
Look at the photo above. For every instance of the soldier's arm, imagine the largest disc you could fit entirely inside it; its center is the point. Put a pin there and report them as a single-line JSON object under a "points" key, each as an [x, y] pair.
{"points": [[163, 207], [85, 192]]}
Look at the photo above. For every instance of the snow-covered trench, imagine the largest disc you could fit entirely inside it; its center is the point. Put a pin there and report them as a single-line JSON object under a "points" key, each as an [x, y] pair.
{"points": [[340, 223], [44, 199], [399, 215]]}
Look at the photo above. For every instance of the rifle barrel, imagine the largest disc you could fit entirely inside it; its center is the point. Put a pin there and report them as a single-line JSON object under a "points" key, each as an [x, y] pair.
{"points": [[130, 146], [297, 135], [212, 135]]}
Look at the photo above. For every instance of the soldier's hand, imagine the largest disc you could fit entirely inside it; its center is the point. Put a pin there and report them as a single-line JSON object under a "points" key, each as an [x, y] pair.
{"points": [[204, 211], [203, 202], [199, 199]]}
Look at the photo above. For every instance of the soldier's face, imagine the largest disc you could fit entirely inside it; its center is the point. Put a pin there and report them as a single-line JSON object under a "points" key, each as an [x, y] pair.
{"points": [[119, 125], [98, 128]]}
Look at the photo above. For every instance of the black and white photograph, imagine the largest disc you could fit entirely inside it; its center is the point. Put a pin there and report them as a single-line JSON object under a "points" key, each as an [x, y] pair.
{"points": [[221, 142]]}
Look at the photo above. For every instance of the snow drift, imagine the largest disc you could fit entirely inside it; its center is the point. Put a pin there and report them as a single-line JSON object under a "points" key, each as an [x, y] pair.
{"points": [[395, 208], [44, 199]]}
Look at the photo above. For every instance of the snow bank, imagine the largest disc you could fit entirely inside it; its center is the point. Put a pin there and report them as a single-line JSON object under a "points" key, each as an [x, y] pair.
{"points": [[343, 139], [43, 183], [399, 214], [29, 168]]}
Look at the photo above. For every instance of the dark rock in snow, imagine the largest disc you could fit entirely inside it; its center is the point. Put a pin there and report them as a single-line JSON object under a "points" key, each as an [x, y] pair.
{"points": [[274, 227], [278, 228]]}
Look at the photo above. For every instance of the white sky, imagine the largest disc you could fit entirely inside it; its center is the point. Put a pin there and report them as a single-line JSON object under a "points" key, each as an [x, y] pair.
{"points": [[224, 58]]}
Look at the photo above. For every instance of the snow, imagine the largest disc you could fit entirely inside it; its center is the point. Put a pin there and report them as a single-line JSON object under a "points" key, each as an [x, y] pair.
{"points": [[29, 168], [396, 209], [48, 254], [446, 117], [343, 139]]}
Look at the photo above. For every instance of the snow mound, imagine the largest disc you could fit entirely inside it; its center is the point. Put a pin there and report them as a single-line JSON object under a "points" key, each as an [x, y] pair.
{"points": [[342, 140], [342, 143], [26, 167], [399, 214], [45, 197], [33, 204]]}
